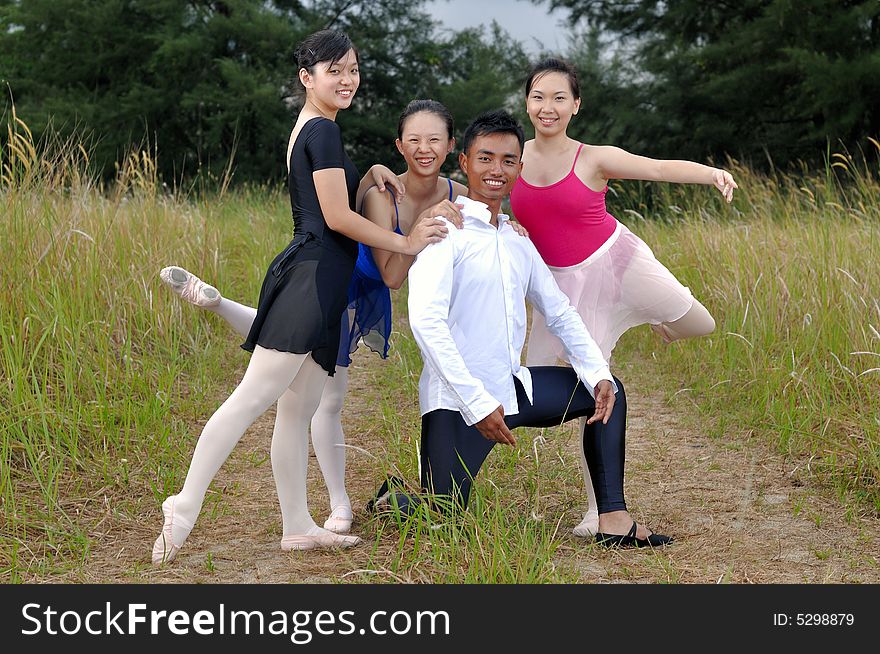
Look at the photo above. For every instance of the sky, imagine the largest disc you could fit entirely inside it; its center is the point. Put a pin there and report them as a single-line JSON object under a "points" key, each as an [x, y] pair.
{"points": [[526, 21]]}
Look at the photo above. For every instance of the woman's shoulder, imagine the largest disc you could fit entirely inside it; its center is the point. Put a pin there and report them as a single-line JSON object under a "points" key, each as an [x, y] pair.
{"points": [[591, 163], [458, 189], [320, 128], [378, 206], [373, 194], [600, 150], [594, 154], [322, 124]]}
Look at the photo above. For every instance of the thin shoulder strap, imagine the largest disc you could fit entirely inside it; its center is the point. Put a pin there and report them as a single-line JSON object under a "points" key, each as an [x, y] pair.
{"points": [[449, 181], [576, 155], [396, 213]]}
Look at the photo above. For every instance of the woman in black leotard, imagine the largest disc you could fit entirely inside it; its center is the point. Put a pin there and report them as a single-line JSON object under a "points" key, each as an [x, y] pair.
{"points": [[295, 336]]}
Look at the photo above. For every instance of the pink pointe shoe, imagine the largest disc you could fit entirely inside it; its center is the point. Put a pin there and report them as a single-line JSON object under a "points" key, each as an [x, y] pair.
{"points": [[317, 538], [190, 288], [339, 521], [588, 527], [165, 549]]}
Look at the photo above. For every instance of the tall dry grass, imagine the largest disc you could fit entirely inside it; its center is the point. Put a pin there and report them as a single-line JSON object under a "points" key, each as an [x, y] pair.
{"points": [[792, 276], [102, 376], [104, 379]]}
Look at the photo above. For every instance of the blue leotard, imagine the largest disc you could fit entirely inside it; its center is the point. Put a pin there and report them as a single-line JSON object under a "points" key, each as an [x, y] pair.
{"points": [[368, 316]]}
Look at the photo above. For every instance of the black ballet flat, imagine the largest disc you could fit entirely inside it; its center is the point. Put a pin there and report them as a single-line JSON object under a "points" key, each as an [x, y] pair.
{"points": [[383, 495], [630, 540]]}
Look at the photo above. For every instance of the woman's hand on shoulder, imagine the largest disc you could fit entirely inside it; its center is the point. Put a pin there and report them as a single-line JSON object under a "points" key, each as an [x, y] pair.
{"points": [[425, 232], [724, 182], [445, 208], [519, 229], [383, 176]]}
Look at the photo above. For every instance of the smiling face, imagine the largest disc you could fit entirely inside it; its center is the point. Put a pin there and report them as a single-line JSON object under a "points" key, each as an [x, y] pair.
{"points": [[551, 103], [424, 143], [332, 85], [492, 164]]}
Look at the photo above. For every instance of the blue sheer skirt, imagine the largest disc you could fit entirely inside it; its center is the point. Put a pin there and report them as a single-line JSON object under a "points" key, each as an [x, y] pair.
{"points": [[367, 317]]}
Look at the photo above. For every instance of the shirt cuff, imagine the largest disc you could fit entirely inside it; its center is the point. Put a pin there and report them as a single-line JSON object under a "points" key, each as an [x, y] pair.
{"points": [[478, 409], [594, 377]]}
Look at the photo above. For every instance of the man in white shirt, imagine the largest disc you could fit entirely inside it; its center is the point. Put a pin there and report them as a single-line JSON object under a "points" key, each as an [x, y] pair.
{"points": [[467, 312]]}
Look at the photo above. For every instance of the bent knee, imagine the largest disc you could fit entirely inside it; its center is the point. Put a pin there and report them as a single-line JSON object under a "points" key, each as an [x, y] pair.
{"points": [[702, 326], [620, 395], [245, 405], [695, 323], [710, 324], [706, 324], [331, 403]]}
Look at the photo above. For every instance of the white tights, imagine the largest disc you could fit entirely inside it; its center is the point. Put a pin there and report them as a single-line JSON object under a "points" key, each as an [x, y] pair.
{"points": [[328, 439], [696, 322], [296, 382]]}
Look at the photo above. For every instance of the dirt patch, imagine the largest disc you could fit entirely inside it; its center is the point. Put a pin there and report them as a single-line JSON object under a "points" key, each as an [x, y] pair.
{"points": [[740, 513]]}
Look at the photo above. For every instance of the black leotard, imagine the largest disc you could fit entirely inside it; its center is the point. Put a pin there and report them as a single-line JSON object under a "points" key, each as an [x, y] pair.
{"points": [[306, 287]]}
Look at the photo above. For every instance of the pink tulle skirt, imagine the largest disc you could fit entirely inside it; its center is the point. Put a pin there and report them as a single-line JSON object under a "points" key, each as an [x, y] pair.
{"points": [[619, 286]]}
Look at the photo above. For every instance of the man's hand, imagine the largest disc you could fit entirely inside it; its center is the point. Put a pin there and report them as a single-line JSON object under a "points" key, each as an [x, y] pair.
{"points": [[495, 429], [604, 393]]}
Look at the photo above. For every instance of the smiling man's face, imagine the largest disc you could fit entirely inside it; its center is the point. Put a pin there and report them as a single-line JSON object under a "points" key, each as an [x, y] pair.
{"points": [[492, 164]]}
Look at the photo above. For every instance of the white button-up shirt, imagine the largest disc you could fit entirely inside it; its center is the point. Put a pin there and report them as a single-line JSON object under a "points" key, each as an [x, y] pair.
{"points": [[468, 315]]}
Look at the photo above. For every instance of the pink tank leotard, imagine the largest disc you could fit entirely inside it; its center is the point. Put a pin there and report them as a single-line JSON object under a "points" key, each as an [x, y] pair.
{"points": [[567, 221]]}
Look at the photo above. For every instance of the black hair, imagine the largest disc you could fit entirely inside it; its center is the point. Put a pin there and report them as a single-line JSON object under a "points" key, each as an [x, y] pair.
{"points": [[431, 106], [492, 122], [554, 65], [326, 45]]}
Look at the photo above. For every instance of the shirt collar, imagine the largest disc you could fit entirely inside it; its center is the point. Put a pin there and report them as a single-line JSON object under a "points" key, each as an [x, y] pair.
{"points": [[478, 211]]}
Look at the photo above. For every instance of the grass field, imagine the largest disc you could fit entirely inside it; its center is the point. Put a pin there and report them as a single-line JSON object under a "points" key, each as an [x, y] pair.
{"points": [[102, 374]]}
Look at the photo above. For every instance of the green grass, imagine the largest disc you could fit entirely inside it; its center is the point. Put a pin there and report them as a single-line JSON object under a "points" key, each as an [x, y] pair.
{"points": [[793, 281], [101, 373]]}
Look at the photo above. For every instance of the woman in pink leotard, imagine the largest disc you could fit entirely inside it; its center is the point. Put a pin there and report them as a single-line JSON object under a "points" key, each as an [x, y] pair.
{"points": [[610, 275]]}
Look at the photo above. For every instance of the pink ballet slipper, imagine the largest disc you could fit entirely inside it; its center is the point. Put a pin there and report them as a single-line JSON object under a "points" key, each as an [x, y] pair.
{"points": [[317, 538], [588, 527], [165, 549], [190, 288], [340, 520]]}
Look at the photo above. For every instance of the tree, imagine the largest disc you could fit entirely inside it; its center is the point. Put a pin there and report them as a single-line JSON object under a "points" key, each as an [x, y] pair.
{"points": [[744, 78], [203, 79], [192, 79], [470, 72]]}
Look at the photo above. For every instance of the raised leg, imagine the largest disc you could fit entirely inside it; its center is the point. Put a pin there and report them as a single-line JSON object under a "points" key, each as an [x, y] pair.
{"points": [[696, 322], [193, 290]]}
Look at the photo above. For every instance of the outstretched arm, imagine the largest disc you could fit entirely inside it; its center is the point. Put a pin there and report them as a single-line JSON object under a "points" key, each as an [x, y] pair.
{"points": [[329, 183], [379, 208], [615, 163]]}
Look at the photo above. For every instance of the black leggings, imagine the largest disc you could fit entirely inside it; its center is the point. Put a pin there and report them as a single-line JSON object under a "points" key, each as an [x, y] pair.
{"points": [[452, 452]]}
